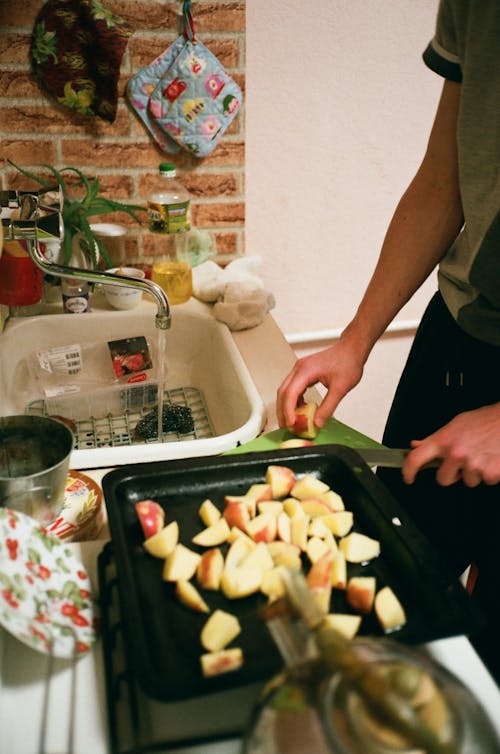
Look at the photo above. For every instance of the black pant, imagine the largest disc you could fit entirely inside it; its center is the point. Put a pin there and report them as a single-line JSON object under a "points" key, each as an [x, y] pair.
{"points": [[448, 372]]}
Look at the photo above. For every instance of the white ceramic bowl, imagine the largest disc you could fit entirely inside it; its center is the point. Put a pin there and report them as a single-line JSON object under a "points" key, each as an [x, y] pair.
{"points": [[120, 296]]}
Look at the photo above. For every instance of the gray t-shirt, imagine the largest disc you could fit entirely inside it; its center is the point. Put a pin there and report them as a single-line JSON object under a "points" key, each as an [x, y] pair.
{"points": [[466, 49]]}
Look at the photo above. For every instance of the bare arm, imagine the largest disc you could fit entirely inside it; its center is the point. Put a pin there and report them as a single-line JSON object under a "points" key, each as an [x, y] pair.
{"points": [[427, 219]]}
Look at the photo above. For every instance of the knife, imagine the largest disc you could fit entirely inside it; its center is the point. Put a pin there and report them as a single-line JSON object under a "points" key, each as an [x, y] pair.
{"points": [[389, 457]]}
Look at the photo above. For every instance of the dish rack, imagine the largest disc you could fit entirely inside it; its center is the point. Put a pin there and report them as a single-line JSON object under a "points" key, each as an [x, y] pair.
{"points": [[118, 430]]}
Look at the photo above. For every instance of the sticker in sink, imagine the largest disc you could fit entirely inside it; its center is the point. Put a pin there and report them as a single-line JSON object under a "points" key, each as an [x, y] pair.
{"points": [[45, 593]]}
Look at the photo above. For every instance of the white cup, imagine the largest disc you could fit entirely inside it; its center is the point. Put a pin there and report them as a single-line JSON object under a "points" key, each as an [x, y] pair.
{"points": [[121, 296], [112, 236]]}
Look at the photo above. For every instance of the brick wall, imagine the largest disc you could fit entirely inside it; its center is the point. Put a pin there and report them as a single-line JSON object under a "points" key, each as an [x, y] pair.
{"points": [[34, 130]]}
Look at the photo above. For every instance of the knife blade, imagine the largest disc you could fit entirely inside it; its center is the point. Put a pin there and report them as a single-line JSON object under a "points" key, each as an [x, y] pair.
{"points": [[389, 457]]}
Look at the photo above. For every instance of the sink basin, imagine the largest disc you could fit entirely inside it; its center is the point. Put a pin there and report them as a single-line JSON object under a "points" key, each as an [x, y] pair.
{"points": [[203, 370]]}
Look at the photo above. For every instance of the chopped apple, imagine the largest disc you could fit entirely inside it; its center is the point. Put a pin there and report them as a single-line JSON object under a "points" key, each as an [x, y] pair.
{"points": [[303, 424], [346, 624], [219, 631], [260, 492], [180, 564], [151, 517], [278, 548], [236, 533], [240, 582], [308, 486], [295, 442], [316, 547], [333, 500], [209, 513], [340, 523], [288, 557], [225, 661], [259, 557], [238, 551], [272, 584], [320, 573], [358, 548], [281, 479], [213, 535], [163, 542], [339, 571], [263, 528], [188, 594], [313, 506], [388, 609], [236, 514], [317, 528], [292, 507], [248, 501], [209, 569], [360, 593], [270, 506], [284, 527], [299, 526]]}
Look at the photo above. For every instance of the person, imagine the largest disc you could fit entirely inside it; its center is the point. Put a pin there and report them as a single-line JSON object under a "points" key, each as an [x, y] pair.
{"points": [[447, 403]]}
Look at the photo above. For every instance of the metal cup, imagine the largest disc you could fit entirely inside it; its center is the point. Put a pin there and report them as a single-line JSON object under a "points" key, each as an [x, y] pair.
{"points": [[34, 463]]}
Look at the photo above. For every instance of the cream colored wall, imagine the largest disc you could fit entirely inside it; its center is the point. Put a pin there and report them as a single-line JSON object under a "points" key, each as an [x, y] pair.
{"points": [[338, 110]]}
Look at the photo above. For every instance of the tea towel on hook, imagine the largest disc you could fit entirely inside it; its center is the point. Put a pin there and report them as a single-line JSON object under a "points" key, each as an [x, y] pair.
{"points": [[195, 100]]}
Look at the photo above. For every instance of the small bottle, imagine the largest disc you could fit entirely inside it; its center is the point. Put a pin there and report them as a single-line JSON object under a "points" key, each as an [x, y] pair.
{"points": [[75, 295], [168, 205], [168, 212]]}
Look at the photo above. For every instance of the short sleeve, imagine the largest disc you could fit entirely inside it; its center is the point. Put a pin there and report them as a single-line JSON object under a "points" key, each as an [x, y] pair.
{"points": [[442, 53]]}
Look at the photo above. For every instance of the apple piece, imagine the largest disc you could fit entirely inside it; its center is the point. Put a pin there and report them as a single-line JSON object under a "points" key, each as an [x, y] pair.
{"points": [[225, 661], [344, 623], [163, 542], [320, 573], [278, 548], [209, 513], [259, 557], [180, 564], [313, 506], [317, 528], [212, 535], [238, 551], [281, 479], [333, 500], [308, 486], [360, 593], [339, 571], [292, 507], [219, 631], [151, 517], [316, 547], [303, 423], [188, 594], [236, 514], [270, 506], [389, 610], [260, 492], [209, 569], [322, 599], [295, 442], [240, 582], [358, 548], [284, 527], [247, 500], [340, 523], [236, 533], [263, 528], [299, 527], [273, 585]]}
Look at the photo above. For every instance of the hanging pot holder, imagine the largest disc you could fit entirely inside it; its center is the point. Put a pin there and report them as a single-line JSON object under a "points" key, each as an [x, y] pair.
{"points": [[195, 100]]}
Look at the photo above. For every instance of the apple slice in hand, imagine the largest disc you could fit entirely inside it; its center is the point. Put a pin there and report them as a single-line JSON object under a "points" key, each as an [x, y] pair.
{"points": [[151, 516], [163, 542], [303, 424]]}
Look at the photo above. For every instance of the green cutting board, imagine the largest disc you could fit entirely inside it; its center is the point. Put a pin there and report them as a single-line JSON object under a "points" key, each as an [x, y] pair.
{"points": [[333, 432]]}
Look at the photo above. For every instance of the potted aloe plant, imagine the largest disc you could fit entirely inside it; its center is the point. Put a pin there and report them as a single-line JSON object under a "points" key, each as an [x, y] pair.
{"points": [[77, 211]]}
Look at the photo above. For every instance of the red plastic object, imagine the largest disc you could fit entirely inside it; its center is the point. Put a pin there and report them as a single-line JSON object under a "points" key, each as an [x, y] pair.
{"points": [[20, 281]]}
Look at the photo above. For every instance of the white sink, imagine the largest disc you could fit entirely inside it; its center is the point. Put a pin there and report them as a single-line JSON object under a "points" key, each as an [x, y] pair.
{"points": [[204, 370]]}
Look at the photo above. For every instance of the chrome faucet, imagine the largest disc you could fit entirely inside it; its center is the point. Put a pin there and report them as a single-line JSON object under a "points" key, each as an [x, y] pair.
{"points": [[26, 229]]}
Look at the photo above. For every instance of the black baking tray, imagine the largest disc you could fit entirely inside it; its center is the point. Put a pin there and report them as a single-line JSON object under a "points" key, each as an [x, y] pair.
{"points": [[162, 636]]}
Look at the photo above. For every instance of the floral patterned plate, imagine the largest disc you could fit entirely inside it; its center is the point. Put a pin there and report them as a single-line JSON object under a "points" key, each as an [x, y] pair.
{"points": [[45, 593]]}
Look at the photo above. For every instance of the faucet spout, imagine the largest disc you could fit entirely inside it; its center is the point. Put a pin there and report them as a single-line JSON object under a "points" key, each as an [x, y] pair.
{"points": [[163, 318]]}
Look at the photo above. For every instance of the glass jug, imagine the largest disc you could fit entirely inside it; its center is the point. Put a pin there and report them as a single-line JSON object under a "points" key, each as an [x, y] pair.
{"points": [[361, 696]]}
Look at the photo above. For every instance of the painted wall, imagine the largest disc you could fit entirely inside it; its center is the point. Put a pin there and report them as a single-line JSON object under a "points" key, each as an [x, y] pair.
{"points": [[339, 106]]}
